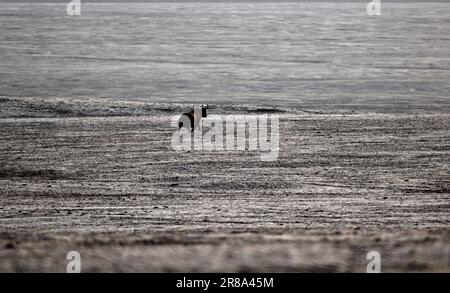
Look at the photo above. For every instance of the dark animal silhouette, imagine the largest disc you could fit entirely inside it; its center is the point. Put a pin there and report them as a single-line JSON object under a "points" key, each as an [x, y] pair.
{"points": [[192, 119]]}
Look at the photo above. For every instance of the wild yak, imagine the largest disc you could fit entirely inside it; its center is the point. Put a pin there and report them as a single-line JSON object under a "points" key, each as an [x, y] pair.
{"points": [[192, 119]]}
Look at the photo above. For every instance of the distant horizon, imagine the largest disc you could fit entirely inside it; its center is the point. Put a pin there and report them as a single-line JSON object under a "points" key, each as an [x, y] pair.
{"points": [[219, 1]]}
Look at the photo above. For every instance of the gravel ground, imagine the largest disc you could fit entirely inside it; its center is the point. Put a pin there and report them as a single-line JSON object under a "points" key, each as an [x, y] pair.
{"points": [[100, 177]]}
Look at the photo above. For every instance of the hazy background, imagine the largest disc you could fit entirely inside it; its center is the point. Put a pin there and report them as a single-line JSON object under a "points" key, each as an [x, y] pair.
{"points": [[262, 1], [292, 54]]}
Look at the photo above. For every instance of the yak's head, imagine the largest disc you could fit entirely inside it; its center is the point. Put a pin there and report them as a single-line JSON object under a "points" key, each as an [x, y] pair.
{"points": [[204, 107]]}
